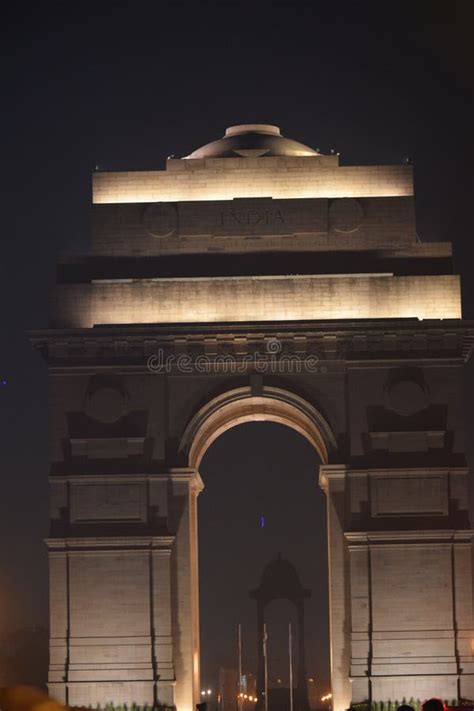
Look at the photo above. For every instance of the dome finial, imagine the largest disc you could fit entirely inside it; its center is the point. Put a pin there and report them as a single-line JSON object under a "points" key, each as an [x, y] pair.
{"points": [[253, 128]]}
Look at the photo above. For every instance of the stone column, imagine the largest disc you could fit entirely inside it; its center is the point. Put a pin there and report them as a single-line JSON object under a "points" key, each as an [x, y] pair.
{"points": [[185, 485], [333, 481]]}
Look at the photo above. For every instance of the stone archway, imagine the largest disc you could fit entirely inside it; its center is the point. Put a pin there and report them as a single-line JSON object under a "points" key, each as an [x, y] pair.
{"points": [[240, 405], [341, 283], [235, 407]]}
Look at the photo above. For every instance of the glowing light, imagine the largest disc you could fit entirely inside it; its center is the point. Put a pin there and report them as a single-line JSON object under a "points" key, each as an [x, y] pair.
{"points": [[224, 179], [276, 298]]}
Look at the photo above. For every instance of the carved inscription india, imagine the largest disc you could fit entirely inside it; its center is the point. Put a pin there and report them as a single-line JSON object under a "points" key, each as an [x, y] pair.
{"points": [[231, 217]]}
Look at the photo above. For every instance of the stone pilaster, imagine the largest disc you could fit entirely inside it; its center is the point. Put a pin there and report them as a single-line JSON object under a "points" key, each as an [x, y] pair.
{"points": [[162, 639], [361, 621], [464, 613], [185, 485], [333, 481], [59, 624]]}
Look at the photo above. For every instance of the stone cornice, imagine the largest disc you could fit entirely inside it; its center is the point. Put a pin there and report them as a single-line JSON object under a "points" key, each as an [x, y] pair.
{"points": [[175, 474], [406, 471], [357, 343], [331, 472], [107, 543], [187, 475], [425, 537], [115, 478]]}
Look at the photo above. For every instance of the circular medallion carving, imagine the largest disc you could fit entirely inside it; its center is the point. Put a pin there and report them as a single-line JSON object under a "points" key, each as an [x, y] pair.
{"points": [[407, 397], [106, 405], [160, 219], [345, 215]]}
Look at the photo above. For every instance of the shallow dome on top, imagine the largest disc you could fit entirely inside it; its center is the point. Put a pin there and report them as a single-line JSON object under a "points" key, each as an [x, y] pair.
{"points": [[252, 140]]}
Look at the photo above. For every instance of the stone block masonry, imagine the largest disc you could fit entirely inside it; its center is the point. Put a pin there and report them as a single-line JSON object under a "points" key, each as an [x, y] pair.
{"points": [[224, 179], [256, 299]]}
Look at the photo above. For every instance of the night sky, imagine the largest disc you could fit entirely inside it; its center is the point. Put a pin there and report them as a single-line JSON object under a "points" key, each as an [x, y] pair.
{"points": [[123, 85]]}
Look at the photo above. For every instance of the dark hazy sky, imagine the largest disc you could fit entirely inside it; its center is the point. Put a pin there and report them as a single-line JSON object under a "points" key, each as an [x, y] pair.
{"points": [[124, 85]]}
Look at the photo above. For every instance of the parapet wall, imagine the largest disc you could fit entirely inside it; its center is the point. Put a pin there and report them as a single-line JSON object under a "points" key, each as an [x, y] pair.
{"points": [[277, 177], [240, 299]]}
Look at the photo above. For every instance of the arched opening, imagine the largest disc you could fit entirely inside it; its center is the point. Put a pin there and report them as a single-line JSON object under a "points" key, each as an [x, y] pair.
{"points": [[241, 405], [254, 471], [259, 456]]}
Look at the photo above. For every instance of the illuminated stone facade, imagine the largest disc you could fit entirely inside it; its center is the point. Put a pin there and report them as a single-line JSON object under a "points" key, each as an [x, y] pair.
{"points": [[257, 280]]}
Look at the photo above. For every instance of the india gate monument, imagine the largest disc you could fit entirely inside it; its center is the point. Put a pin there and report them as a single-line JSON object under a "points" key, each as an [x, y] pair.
{"points": [[257, 279]]}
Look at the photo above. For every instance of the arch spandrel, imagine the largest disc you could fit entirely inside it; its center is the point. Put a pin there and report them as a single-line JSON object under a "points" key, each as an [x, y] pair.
{"points": [[239, 406]]}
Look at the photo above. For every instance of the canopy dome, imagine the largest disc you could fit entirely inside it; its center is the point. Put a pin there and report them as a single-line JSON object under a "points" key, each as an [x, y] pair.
{"points": [[252, 140], [280, 580]]}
